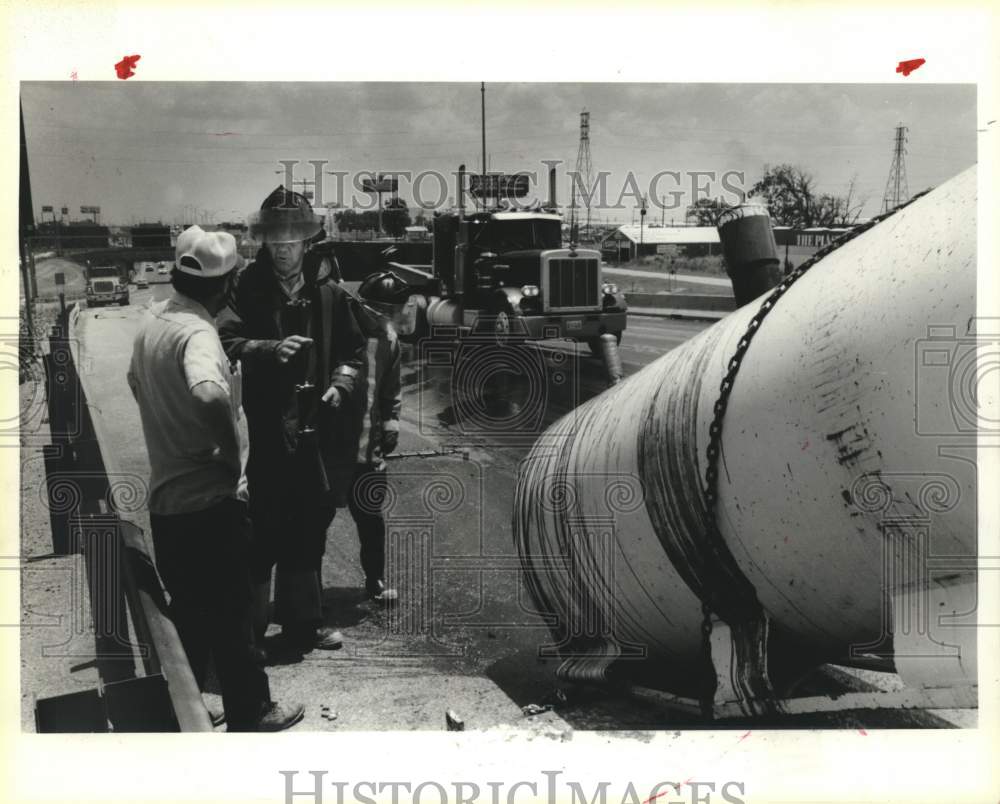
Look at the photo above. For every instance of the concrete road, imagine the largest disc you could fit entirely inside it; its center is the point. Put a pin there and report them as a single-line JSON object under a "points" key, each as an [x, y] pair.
{"points": [[464, 636]]}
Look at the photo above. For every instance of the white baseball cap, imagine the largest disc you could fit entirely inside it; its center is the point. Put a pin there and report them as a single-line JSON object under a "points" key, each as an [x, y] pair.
{"points": [[205, 254]]}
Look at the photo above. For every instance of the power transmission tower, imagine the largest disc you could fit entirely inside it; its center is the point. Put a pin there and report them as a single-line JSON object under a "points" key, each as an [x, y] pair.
{"points": [[897, 191], [584, 168]]}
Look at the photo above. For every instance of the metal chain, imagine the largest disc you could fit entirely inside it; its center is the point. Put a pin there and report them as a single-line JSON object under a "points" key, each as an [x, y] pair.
{"points": [[726, 389]]}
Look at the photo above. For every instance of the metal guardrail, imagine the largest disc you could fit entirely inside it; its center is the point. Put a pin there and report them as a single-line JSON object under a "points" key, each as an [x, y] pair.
{"points": [[682, 301], [122, 581]]}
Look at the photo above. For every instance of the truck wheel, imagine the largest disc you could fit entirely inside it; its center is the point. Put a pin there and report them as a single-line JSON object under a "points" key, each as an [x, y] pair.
{"points": [[595, 343], [501, 322]]}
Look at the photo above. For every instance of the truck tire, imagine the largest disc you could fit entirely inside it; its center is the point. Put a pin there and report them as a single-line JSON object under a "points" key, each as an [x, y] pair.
{"points": [[595, 343], [502, 323]]}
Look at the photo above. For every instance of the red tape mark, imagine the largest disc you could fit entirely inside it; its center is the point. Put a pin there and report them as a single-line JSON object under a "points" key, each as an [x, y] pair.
{"points": [[126, 67], [907, 67]]}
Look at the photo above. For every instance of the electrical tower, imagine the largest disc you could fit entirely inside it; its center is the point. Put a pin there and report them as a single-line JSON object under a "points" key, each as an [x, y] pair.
{"points": [[584, 169], [896, 189]]}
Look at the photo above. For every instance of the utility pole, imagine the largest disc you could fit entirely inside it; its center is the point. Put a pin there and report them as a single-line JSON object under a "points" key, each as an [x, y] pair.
{"points": [[26, 227], [642, 217], [897, 190]]}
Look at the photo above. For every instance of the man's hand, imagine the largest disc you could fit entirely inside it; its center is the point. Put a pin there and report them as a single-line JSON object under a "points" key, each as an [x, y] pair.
{"points": [[291, 346], [332, 397]]}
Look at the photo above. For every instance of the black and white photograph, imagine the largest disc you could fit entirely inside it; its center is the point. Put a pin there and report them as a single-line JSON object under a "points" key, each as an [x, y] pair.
{"points": [[548, 412]]}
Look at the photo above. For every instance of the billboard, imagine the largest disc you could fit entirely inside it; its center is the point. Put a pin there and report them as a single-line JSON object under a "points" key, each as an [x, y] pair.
{"points": [[47, 209], [499, 185], [90, 210], [384, 184]]}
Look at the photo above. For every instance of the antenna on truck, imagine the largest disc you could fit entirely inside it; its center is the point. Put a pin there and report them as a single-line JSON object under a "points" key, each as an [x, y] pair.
{"points": [[482, 92]]}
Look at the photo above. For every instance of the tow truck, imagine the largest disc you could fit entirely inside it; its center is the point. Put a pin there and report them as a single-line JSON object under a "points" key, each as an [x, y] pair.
{"points": [[506, 271]]}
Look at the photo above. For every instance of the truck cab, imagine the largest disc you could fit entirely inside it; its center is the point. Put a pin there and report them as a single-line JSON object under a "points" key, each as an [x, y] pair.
{"points": [[105, 285], [507, 272]]}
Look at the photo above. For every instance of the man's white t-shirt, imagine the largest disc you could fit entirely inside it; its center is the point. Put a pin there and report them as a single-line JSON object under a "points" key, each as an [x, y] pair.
{"points": [[177, 347]]}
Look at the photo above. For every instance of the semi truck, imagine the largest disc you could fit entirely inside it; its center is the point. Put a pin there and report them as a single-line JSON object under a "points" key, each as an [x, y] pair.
{"points": [[506, 271]]}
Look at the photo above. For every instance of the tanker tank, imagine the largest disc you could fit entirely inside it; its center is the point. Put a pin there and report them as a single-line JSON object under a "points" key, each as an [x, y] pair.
{"points": [[846, 481]]}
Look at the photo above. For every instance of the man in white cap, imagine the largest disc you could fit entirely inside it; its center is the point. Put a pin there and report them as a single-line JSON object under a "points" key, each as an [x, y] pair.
{"points": [[189, 405]]}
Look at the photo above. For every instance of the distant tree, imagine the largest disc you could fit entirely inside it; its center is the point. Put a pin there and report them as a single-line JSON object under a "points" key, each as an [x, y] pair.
{"points": [[346, 219], [791, 197], [350, 220], [395, 217], [706, 211]]}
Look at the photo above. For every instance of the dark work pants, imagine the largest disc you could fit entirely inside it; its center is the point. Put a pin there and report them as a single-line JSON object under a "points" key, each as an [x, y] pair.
{"points": [[203, 559], [289, 533], [365, 502]]}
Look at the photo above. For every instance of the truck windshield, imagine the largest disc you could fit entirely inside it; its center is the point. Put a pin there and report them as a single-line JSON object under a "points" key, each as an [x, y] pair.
{"points": [[517, 235], [103, 271]]}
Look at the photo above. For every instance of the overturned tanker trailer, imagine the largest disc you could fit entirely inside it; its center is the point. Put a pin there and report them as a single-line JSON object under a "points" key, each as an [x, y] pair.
{"points": [[794, 486]]}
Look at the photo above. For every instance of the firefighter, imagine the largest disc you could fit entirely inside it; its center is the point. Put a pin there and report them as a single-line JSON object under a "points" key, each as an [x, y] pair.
{"points": [[303, 356], [384, 296], [189, 406]]}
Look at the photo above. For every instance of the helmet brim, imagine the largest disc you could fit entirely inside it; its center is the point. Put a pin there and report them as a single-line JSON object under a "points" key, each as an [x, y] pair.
{"points": [[284, 225]]}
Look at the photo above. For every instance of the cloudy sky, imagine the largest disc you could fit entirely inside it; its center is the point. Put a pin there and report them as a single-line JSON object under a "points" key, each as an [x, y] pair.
{"points": [[171, 151]]}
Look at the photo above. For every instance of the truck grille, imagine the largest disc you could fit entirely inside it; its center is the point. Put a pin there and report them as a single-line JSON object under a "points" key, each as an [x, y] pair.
{"points": [[104, 286], [573, 283]]}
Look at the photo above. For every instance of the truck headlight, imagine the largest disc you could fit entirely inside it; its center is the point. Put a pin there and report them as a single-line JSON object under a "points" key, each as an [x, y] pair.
{"points": [[609, 289], [529, 291]]}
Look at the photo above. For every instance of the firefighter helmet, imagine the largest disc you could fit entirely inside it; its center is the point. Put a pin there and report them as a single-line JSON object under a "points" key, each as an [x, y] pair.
{"points": [[285, 217]]}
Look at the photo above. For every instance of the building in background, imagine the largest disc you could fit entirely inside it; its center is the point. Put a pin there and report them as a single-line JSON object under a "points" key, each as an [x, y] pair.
{"points": [[628, 243]]}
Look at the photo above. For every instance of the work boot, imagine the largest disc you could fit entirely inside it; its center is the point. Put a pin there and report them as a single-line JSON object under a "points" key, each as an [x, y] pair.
{"points": [[307, 638], [277, 717], [378, 592]]}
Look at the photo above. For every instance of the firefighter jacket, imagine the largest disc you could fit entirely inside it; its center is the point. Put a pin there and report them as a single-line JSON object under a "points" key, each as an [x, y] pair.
{"points": [[383, 387], [255, 320]]}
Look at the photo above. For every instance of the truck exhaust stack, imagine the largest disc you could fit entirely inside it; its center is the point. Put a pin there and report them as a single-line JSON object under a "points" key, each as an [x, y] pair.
{"points": [[750, 251]]}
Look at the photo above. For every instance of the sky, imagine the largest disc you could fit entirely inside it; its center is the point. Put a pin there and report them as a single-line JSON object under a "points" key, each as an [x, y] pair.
{"points": [[193, 151]]}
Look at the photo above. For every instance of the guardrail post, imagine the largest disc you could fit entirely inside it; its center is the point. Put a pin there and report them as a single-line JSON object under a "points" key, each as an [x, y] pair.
{"points": [[98, 538]]}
